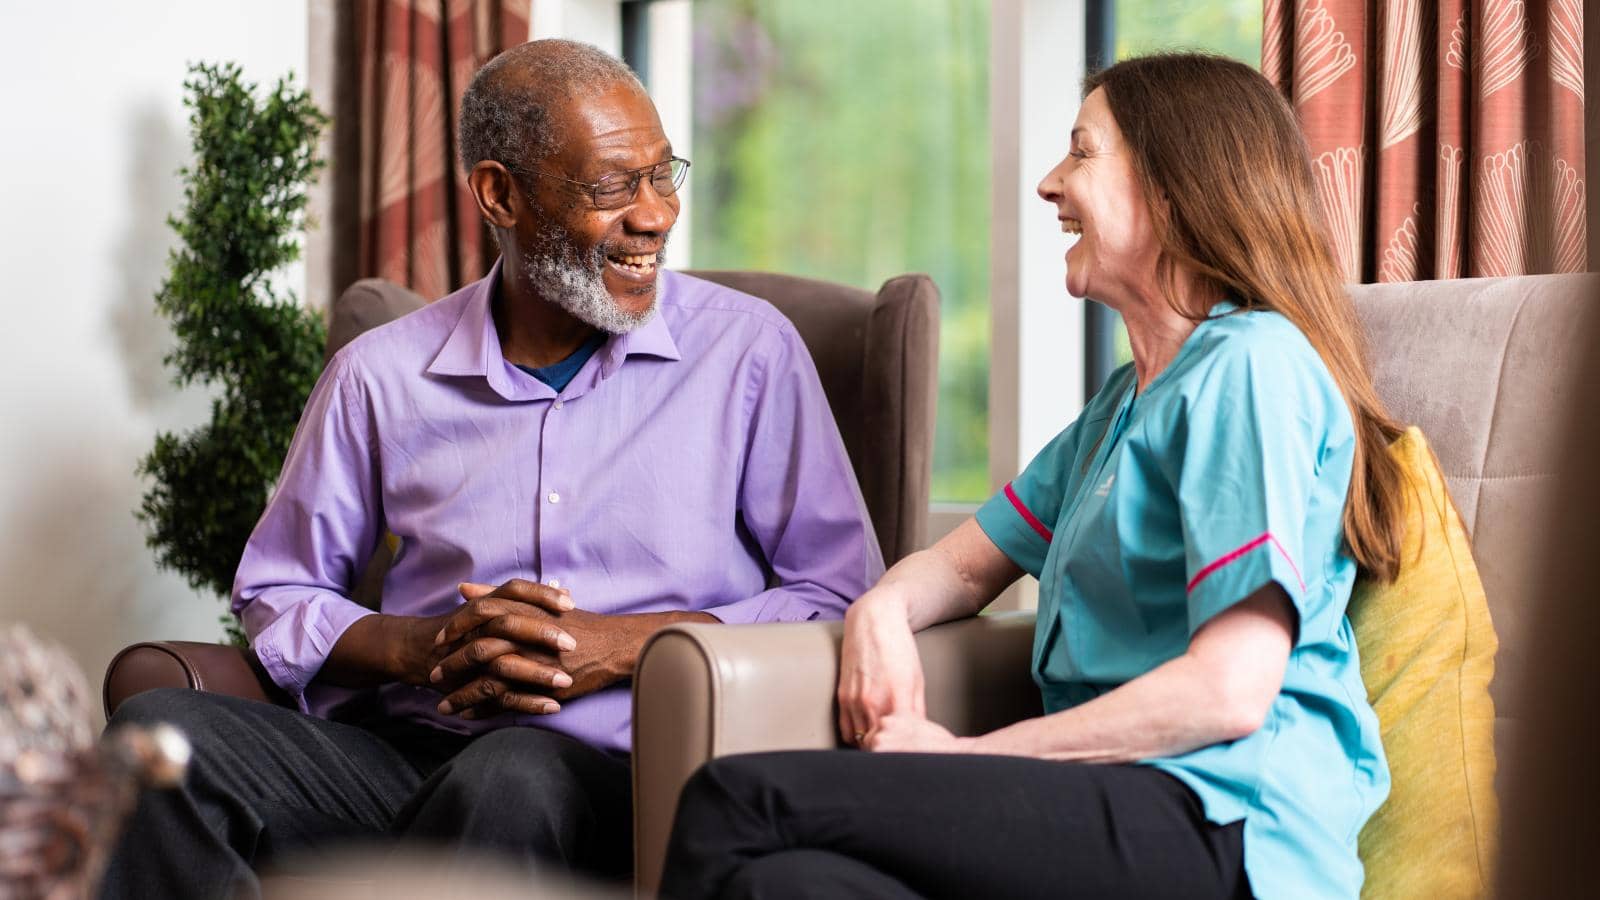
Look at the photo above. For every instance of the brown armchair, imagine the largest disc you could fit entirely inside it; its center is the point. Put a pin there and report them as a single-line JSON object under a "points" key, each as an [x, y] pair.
{"points": [[877, 355]]}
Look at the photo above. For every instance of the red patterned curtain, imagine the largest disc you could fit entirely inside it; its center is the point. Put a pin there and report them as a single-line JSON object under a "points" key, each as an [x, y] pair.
{"points": [[417, 223], [1447, 136]]}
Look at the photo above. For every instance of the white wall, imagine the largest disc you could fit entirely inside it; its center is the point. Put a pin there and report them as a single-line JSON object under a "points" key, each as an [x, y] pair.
{"points": [[96, 131], [597, 22]]}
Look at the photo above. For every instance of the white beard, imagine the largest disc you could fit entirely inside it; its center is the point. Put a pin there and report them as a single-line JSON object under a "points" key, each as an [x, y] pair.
{"points": [[556, 272]]}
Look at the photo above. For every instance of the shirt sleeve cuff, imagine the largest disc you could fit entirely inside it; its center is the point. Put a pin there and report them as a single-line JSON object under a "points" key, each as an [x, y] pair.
{"points": [[1241, 572], [1002, 519], [294, 646], [785, 604]]}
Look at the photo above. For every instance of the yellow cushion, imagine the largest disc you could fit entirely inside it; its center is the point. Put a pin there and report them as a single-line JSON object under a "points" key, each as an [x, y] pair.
{"points": [[1427, 654]]}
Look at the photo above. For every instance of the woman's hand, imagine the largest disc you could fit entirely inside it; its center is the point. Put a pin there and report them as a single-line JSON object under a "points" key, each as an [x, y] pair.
{"points": [[902, 733], [880, 673]]}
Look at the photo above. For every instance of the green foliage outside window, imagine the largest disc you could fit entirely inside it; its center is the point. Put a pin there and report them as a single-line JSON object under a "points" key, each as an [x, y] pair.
{"points": [[253, 343], [1229, 27], [849, 141]]}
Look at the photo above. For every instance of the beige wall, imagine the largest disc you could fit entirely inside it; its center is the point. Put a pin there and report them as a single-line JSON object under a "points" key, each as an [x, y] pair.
{"points": [[87, 175]]}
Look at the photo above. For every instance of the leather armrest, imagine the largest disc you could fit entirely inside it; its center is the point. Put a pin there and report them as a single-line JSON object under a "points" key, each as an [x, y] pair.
{"points": [[703, 691], [218, 668]]}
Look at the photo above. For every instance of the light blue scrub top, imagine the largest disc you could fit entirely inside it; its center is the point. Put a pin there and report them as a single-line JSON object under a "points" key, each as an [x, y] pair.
{"points": [[1154, 512]]}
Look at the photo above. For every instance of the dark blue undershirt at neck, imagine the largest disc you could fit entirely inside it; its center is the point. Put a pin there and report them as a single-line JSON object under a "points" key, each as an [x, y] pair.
{"points": [[559, 375]]}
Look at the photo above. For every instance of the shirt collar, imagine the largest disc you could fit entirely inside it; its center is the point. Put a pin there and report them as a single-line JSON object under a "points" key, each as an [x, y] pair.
{"points": [[472, 344], [1222, 307], [653, 338], [473, 347]]}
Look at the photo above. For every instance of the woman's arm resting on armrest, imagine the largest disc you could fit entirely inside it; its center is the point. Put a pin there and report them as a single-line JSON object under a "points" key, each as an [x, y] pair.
{"points": [[879, 671], [1219, 690]]}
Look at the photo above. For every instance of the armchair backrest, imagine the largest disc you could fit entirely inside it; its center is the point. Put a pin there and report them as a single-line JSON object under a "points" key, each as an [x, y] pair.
{"points": [[878, 358], [1488, 368], [364, 305]]}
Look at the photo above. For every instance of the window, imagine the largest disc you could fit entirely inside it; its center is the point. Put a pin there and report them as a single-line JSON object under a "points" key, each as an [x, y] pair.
{"points": [[1229, 27], [852, 141], [849, 141]]}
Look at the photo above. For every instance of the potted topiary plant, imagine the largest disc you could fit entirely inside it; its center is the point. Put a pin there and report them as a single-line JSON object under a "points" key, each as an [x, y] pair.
{"points": [[249, 340]]}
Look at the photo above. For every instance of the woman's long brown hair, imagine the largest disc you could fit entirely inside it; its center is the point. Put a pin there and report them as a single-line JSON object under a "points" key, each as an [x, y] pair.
{"points": [[1227, 176]]}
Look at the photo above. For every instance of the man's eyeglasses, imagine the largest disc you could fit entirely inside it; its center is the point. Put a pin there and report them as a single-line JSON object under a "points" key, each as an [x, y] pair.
{"points": [[618, 190]]}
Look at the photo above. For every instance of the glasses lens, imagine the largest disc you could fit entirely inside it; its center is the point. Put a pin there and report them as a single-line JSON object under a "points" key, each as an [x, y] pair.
{"points": [[614, 192], [668, 176]]}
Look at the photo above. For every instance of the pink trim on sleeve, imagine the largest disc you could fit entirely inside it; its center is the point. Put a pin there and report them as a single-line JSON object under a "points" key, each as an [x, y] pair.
{"points": [[1246, 547], [1028, 517]]}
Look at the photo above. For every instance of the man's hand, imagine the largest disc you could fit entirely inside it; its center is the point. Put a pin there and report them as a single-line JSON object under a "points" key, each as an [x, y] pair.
{"points": [[499, 652], [514, 649]]}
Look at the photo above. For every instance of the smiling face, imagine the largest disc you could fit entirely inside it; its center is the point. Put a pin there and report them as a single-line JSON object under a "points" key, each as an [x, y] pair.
{"points": [[601, 265], [1098, 197]]}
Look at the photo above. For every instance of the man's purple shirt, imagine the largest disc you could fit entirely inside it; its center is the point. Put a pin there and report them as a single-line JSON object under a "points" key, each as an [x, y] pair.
{"points": [[689, 465]]}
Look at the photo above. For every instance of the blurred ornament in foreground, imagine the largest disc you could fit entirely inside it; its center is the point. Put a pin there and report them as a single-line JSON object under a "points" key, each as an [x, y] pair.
{"points": [[64, 795]]}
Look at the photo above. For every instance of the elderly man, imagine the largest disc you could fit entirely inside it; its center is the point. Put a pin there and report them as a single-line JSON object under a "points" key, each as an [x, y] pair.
{"points": [[573, 453]]}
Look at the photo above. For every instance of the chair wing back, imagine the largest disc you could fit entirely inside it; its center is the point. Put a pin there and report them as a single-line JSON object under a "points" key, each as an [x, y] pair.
{"points": [[878, 358], [367, 304], [1488, 369]]}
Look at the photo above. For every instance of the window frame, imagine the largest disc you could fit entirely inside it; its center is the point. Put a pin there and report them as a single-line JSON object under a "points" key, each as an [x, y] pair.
{"points": [[1099, 322]]}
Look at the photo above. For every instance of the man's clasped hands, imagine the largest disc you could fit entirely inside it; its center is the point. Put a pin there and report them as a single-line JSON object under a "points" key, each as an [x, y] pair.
{"points": [[523, 647]]}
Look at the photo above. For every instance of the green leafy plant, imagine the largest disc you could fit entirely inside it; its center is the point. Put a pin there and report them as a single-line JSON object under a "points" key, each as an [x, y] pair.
{"points": [[250, 341]]}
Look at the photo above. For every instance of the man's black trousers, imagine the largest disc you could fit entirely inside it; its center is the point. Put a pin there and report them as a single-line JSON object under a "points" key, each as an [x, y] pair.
{"points": [[268, 785], [850, 824]]}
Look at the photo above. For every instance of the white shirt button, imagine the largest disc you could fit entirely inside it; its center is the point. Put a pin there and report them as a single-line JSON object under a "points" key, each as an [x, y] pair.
{"points": [[560, 404], [554, 582], [553, 497]]}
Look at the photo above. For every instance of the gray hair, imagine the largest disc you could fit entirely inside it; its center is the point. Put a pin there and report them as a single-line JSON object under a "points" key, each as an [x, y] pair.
{"points": [[506, 111]]}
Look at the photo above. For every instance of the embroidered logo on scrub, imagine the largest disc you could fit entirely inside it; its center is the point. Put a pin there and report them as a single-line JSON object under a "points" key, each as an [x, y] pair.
{"points": [[1104, 490]]}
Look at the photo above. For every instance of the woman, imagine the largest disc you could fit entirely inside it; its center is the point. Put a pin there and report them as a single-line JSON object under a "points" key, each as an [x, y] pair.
{"points": [[1195, 533]]}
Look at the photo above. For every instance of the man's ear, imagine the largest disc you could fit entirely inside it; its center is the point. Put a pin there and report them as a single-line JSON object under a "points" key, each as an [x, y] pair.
{"points": [[495, 191]]}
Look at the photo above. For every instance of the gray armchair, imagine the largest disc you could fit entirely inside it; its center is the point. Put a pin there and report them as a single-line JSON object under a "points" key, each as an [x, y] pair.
{"points": [[1490, 369], [704, 691]]}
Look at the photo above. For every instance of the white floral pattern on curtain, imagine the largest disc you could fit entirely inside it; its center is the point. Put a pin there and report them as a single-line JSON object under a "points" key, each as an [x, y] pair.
{"points": [[1447, 137]]}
